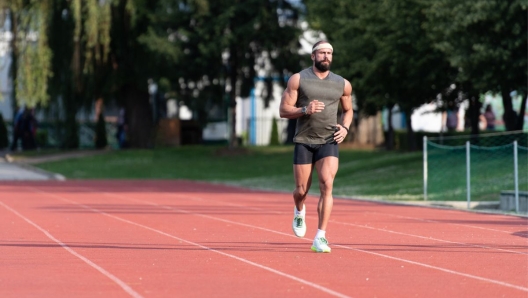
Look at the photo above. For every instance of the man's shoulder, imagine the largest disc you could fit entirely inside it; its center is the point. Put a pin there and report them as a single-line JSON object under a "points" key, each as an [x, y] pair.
{"points": [[336, 76]]}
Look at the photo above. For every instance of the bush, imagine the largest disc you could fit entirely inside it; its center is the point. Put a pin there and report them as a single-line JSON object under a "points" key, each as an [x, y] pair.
{"points": [[274, 141], [100, 133], [41, 138], [4, 141]]}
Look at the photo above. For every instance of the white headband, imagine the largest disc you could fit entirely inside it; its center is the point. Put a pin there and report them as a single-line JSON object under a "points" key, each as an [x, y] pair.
{"points": [[323, 45]]}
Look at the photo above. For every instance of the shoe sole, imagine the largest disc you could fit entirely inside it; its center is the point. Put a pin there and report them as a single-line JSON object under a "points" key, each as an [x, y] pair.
{"points": [[320, 251]]}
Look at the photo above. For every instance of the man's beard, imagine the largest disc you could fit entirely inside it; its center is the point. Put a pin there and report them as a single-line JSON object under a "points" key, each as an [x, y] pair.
{"points": [[323, 67]]}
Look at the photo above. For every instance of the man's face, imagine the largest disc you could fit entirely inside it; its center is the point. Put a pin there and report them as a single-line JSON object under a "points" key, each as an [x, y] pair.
{"points": [[322, 59]]}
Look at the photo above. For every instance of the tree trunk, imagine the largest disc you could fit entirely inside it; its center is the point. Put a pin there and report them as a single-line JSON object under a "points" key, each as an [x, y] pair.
{"points": [[410, 132], [522, 109], [233, 77], [474, 114], [139, 117], [70, 138], [509, 117]]}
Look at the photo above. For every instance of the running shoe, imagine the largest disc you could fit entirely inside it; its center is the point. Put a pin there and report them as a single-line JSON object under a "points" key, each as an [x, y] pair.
{"points": [[321, 245], [299, 223]]}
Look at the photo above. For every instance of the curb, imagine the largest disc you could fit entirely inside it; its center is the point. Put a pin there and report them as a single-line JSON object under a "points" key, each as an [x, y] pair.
{"points": [[50, 175]]}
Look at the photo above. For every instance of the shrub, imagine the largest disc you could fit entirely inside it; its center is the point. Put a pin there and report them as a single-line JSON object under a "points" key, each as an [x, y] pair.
{"points": [[274, 141], [41, 137]]}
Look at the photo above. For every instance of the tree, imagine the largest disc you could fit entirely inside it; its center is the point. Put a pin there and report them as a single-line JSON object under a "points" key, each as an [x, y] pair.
{"points": [[387, 54], [80, 39], [31, 55], [486, 40], [274, 139], [221, 44]]}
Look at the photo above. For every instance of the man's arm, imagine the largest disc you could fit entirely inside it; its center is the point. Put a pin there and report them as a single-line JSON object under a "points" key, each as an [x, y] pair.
{"points": [[289, 99], [347, 115]]}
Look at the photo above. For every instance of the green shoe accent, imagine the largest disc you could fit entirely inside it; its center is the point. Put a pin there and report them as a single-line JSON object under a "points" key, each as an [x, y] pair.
{"points": [[299, 222], [321, 245]]}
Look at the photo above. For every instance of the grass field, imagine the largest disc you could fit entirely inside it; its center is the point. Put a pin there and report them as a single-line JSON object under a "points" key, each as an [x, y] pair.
{"points": [[364, 174]]}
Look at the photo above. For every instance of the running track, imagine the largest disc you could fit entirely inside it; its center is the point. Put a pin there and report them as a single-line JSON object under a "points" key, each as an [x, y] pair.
{"points": [[189, 239]]}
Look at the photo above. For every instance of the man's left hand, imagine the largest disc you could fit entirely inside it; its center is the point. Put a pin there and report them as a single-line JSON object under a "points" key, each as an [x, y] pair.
{"points": [[340, 134]]}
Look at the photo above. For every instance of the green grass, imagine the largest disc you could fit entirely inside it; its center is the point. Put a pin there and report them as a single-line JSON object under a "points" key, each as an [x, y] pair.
{"points": [[366, 174]]}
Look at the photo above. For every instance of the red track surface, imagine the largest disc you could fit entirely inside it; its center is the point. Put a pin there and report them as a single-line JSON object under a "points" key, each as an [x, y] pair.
{"points": [[185, 239]]}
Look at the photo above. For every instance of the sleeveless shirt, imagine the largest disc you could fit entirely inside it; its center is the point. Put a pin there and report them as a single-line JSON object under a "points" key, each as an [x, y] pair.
{"points": [[318, 128]]}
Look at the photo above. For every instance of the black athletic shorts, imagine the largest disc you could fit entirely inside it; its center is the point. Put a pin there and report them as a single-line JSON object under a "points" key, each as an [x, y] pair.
{"points": [[310, 153]]}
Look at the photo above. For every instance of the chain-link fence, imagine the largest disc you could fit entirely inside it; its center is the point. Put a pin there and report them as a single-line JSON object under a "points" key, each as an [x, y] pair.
{"points": [[475, 168]]}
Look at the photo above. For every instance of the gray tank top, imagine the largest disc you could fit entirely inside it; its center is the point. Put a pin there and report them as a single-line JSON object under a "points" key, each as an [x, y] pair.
{"points": [[318, 128]]}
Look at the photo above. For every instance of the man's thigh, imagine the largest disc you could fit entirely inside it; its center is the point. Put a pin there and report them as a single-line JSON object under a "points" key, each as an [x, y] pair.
{"points": [[303, 175], [327, 168]]}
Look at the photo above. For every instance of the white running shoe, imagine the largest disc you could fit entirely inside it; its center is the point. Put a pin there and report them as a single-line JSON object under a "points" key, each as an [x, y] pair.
{"points": [[299, 223], [321, 245]]}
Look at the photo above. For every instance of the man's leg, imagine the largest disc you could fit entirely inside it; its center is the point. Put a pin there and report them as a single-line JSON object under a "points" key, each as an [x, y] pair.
{"points": [[326, 170], [302, 174], [303, 178]]}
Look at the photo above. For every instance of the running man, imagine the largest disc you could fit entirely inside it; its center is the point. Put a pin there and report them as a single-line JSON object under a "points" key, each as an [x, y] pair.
{"points": [[313, 97]]}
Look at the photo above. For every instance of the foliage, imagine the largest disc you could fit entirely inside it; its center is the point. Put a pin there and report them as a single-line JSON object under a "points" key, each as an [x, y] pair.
{"points": [[31, 55], [487, 41], [207, 53], [382, 47], [41, 138], [101, 140], [221, 44]]}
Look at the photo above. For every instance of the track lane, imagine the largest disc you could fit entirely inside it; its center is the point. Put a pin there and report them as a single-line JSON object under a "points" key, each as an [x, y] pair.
{"points": [[353, 275]]}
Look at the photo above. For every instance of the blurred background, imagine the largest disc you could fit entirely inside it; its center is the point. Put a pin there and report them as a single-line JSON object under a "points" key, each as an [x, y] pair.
{"points": [[145, 74]]}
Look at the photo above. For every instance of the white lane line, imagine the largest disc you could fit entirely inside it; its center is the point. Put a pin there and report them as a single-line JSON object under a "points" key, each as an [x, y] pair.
{"points": [[449, 223], [439, 268], [122, 284], [308, 283], [342, 246], [356, 225], [345, 200], [429, 238]]}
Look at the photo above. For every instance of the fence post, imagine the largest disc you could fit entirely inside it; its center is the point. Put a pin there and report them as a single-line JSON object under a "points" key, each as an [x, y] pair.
{"points": [[468, 172], [425, 166], [516, 176]]}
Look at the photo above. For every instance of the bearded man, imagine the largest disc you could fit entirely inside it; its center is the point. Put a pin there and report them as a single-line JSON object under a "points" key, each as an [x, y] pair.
{"points": [[313, 96]]}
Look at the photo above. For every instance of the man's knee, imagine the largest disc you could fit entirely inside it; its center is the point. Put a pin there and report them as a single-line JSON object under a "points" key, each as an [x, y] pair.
{"points": [[301, 191], [326, 184]]}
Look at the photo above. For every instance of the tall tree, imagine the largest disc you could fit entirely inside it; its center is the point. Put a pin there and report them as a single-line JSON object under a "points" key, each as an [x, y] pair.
{"points": [[31, 55], [80, 39], [487, 41], [221, 44], [382, 47]]}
